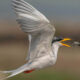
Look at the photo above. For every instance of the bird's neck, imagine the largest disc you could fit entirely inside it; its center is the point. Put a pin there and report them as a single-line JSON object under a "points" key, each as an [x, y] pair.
{"points": [[55, 48]]}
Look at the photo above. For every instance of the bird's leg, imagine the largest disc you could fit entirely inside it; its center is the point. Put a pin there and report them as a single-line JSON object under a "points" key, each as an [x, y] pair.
{"points": [[29, 71]]}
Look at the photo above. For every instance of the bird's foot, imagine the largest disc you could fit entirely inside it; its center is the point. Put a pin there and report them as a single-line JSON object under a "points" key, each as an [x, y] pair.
{"points": [[29, 71]]}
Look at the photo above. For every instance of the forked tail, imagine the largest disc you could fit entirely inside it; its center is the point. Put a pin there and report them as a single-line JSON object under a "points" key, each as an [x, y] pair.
{"points": [[12, 73]]}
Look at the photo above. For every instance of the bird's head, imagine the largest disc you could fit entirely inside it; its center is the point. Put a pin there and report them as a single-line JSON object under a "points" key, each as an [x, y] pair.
{"points": [[61, 41]]}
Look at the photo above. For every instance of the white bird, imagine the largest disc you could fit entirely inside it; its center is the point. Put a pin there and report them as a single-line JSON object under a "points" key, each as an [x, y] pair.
{"points": [[43, 46]]}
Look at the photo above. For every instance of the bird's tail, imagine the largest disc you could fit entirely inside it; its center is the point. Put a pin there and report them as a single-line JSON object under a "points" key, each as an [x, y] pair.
{"points": [[16, 71]]}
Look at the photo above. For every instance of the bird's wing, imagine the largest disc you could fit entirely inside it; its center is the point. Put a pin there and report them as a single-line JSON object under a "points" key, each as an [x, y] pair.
{"points": [[30, 19], [35, 24]]}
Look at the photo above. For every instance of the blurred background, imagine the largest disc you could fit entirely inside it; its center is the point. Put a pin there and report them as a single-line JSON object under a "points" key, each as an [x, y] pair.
{"points": [[65, 16]]}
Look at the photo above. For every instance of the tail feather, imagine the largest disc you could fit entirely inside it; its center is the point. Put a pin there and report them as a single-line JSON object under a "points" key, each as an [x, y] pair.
{"points": [[6, 72], [16, 71]]}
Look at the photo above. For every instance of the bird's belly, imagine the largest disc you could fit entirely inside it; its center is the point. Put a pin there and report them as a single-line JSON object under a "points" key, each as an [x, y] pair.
{"points": [[42, 62]]}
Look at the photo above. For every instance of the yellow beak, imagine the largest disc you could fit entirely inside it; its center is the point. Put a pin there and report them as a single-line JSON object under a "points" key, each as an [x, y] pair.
{"points": [[65, 39]]}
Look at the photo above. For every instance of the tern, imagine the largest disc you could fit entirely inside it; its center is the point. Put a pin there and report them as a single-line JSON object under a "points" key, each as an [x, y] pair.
{"points": [[43, 46]]}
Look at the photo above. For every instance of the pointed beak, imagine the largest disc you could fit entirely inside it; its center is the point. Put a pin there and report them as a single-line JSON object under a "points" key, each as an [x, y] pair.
{"points": [[65, 39]]}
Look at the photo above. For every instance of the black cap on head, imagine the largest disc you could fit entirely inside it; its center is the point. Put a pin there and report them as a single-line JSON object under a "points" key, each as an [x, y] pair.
{"points": [[57, 39]]}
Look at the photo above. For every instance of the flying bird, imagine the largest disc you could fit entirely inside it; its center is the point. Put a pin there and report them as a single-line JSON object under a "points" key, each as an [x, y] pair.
{"points": [[43, 46]]}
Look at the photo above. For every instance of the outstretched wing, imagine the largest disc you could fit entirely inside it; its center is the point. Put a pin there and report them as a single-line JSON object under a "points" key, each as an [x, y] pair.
{"points": [[35, 24], [29, 18]]}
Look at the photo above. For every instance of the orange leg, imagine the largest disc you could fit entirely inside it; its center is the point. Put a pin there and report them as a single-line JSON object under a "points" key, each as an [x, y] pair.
{"points": [[29, 71]]}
